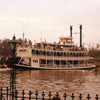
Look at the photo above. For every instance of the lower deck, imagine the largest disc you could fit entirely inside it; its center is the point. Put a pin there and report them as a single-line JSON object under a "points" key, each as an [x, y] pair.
{"points": [[62, 63], [89, 66], [37, 63]]}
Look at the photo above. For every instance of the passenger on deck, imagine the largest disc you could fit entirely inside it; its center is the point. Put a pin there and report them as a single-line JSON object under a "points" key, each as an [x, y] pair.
{"points": [[54, 48], [61, 48]]}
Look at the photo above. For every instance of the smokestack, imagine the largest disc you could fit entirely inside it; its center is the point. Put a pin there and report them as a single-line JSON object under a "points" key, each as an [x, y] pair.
{"points": [[71, 31], [80, 36]]}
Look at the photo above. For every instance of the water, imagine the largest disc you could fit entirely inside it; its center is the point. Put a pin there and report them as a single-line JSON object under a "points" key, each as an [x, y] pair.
{"points": [[84, 82]]}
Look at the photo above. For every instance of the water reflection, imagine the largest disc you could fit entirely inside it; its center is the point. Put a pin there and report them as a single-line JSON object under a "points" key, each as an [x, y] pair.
{"points": [[4, 78], [55, 81]]}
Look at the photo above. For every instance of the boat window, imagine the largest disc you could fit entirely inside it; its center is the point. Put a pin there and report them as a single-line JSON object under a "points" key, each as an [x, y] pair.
{"points": [[57, 62], [63, 62], [70, 54], [48, 53], [40, 52], [22, 50], [61, 54], [54, 53], [42, 61], [50, 62], [44, 53], [58, 54], [51, 53], [64, 54], [37, 52], [67, 54], [33, 51], [36, 61]]}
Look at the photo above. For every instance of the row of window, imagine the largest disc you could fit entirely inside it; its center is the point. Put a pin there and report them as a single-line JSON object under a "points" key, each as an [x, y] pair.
{"points": [[57, 53], [43, 61], [22, 50]]}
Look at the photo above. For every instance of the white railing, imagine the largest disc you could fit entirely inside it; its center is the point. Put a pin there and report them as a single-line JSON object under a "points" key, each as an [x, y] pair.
{"points": [[65, 66], [58, 49]]}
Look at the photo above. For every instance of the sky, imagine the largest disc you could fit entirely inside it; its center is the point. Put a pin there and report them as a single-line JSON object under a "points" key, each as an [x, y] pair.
{"points": [[50, 19]]}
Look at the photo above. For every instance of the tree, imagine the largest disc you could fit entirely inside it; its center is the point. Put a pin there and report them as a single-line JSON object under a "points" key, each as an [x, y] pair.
{"points": [[95, 52], [5, 48]]}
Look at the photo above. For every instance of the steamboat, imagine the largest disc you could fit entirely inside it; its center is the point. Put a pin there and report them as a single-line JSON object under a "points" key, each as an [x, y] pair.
{"points": [[64, 55]]}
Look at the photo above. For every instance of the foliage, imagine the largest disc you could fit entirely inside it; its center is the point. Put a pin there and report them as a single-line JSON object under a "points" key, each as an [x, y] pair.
{"points": [[5, 48], [95, 52], [2, 61]]}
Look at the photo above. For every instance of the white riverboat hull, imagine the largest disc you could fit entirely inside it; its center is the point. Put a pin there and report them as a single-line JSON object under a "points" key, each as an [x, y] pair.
{"points": [[47, 68]]}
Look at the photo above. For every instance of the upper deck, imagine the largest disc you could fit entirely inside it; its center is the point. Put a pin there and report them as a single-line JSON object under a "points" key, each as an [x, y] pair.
{"points": [[64, 47], [59, 48]]}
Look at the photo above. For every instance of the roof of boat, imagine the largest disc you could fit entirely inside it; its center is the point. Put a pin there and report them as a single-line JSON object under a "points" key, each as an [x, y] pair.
{"points": [[64, 37], [46, 43], [61, 37]]}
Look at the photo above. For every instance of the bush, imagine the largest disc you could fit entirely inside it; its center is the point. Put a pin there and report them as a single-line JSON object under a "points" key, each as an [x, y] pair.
{"points": [[2, 61]]}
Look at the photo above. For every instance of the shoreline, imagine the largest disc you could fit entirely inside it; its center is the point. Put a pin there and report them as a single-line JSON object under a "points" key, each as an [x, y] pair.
{"points": [[96, 70], [3, 66]]}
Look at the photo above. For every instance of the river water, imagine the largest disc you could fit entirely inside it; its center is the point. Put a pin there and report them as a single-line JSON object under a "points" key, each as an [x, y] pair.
{"points": [[83, 81]]}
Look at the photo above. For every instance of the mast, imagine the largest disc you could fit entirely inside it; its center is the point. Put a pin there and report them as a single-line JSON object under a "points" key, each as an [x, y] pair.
{"points": [[80, 36], [71, 31]]}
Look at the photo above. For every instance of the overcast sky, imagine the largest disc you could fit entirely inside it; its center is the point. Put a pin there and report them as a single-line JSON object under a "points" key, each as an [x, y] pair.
{"points": [[50, 19]]}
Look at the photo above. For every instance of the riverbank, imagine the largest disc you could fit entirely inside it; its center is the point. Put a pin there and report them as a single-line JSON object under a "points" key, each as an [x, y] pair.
{"points": [[97, 68], [3, 66]]}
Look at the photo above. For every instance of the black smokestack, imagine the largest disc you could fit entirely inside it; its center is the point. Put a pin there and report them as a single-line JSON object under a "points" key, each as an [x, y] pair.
{"points": [[81, 36], [71, 31]]}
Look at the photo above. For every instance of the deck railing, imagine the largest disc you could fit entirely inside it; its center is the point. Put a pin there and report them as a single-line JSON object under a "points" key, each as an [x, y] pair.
{"points": [[59, 49], [6, 95], [65, 66]]}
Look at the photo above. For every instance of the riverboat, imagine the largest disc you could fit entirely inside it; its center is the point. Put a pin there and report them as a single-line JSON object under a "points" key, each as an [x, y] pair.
{"points": [[64, 55]]}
